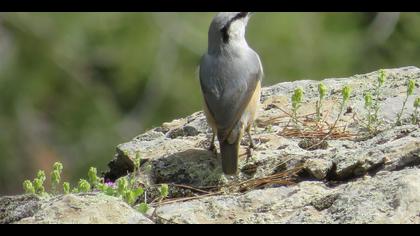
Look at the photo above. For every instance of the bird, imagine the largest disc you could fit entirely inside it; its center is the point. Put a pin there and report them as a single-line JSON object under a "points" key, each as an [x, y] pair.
{"points": [[230, 75]]}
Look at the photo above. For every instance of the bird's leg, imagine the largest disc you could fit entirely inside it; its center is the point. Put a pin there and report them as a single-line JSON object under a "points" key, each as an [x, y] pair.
{"points": [[212, 147], [251, 144]]}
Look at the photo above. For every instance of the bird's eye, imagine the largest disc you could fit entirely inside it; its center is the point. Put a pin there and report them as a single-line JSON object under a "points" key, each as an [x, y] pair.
{"points": [[225, 34], [241, 15]]}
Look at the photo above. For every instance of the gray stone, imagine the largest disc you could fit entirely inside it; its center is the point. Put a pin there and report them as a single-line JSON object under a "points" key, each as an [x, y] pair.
{"points": [[318, 168], [391, 197], [85, 209], [353, 177], [14, 208], [182, 156]]}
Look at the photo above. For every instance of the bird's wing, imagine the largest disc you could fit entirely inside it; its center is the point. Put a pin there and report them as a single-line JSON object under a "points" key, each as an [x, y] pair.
{"points": [[228, 87]]}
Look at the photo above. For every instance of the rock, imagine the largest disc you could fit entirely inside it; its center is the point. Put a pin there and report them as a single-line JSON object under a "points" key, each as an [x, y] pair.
{"points": [[15, 208], [85, 209], [181, 154], [307, 175], [318, 168], [390, 197]]}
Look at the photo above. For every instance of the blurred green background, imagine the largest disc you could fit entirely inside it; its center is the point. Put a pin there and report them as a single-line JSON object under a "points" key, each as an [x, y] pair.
{"points": [[74, 85]]}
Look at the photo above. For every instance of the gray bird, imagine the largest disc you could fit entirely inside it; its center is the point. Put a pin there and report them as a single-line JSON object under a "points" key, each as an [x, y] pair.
{"points": [[230, 79]]}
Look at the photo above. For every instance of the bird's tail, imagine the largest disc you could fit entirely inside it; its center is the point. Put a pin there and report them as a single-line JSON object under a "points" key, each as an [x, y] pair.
{"points": [[229, 156]]}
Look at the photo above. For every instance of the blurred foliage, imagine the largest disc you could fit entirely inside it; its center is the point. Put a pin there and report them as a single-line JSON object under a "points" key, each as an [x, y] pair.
{"points": [[74, 85]]}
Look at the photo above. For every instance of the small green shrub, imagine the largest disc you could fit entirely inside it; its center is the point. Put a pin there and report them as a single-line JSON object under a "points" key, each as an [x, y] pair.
{"points": [[39, 183], [372, 103], [83, 186], [164, 190], [322, 91], [92, 177], [143, 207], [297, 98], [345, 93], [28, 187], [66, 187], [125, 187], [56, 176], [410, 91]]}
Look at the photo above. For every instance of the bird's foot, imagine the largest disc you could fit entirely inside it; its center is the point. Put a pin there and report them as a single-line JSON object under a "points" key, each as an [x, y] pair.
{"points": [[213, 149], [249, 152]]}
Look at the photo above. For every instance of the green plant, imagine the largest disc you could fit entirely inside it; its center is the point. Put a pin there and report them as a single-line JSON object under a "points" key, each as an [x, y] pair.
{"points": [[28, 187], [122, 185], [143, 207], [322, 90], [372, 103], [131, 195], [39, 183], [370, 114], [345, 93], [297, 98], [410, 91], [125, 187], [56, 176], [83, 186], [92, 177], [66, 187], [415, 115], [164, 190]]}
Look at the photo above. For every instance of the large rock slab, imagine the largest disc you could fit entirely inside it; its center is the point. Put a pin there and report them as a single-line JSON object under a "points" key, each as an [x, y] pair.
{"points": [[85, 209], [15, 208], [388, 197], [176, 152], [350, 176]]}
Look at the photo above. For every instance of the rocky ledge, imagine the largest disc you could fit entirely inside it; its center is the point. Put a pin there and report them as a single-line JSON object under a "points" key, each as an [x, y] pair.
{"points": [[315, 173]]}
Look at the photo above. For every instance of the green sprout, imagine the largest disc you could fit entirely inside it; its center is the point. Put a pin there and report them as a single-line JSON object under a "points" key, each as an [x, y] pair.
{"points": [[372, 103], [143, 207], [55, 180], [38, 183], [83, 186], [41, 176], [122, 185], [106, 189], [131, 196], [56, 176], [322, 90], [28, 187], [66, 187], [410, 91], [371, 119], [345, 92], [415, 116], [92, 176], [297, 98], [125, 187], [58, 166], [346, 95], [164, 190]]}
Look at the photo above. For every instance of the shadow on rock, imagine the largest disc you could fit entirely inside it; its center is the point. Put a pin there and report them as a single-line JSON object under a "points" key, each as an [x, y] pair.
{"points": [[194, 167]]}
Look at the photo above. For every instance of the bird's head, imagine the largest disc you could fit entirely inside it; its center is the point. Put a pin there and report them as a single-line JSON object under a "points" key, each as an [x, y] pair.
{"points": [[228, 28]]}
